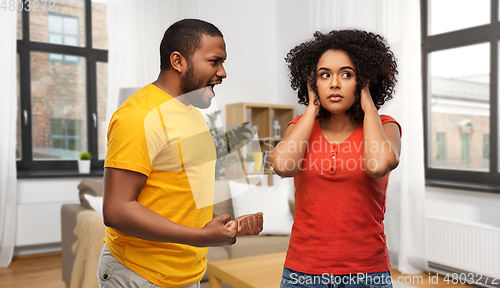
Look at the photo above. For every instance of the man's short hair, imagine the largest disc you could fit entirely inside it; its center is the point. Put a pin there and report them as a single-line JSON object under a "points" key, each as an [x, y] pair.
{"points": [[184, 36]]}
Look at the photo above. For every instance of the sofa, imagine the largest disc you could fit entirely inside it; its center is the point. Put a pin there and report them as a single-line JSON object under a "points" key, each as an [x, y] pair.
{"points": [[244, 247]]}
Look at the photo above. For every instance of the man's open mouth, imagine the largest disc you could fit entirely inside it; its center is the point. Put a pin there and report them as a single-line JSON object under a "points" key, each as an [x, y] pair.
{"points": [[211, 89], [211, 86]]}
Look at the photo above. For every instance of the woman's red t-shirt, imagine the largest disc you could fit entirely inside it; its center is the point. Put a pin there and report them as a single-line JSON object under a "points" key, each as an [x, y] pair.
{"points": [[339, 212]]}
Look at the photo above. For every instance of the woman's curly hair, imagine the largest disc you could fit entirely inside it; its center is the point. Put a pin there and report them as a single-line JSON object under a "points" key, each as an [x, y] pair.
{"points": [[374, 64]]}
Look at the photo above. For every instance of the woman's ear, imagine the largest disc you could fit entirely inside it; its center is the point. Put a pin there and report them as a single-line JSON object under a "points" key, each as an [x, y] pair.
{"points": [[178, 61]]}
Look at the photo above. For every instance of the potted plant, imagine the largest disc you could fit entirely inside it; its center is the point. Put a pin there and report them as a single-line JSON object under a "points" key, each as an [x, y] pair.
{"points": [[226, 142], [84, 162]]}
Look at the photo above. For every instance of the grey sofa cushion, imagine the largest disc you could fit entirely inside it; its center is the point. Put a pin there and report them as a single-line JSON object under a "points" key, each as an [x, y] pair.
{"points": [[91, 187]]}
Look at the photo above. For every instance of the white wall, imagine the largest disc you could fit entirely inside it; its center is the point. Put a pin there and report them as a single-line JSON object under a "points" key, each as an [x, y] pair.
{"points": [[258, 36], [292, 28], [250, 33], [467, 206], [39, 211]]}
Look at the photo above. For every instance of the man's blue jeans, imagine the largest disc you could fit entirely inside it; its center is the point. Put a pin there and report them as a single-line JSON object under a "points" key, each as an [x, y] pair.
{"points": [[295, 279]]}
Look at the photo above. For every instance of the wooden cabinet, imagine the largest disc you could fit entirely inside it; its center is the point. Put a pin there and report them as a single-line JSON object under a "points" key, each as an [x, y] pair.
{"points": [[262, 116]]}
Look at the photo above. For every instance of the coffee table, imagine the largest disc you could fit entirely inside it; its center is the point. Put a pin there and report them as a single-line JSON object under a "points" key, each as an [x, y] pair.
{"points": [[249, 272]]}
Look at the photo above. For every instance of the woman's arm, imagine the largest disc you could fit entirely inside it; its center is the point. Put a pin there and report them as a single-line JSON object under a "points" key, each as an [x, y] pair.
{"points": [[382, 143], [288, 155]]}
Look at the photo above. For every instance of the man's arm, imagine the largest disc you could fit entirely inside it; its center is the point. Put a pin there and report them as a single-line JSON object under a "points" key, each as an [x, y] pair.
{"points": [[122, 212]]}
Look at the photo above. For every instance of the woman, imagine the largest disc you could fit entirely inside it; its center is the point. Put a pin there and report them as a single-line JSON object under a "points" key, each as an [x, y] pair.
{"points": [[340, 152]]}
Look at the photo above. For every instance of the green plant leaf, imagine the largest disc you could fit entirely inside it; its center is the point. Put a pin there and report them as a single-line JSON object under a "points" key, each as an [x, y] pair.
{"points": [[85, 155], [227, 142]]}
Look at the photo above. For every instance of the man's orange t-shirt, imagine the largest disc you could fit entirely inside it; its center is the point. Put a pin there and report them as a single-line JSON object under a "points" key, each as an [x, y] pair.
{"points": [[154, 134]]}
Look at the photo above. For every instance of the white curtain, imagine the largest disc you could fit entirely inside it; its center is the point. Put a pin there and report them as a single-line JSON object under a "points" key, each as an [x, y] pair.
{"points": [[135, 29], [399, 23], [8, 109]]}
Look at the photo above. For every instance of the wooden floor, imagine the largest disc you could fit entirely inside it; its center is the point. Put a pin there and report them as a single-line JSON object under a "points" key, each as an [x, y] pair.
{"points": [[33, 271], [44, 271]]}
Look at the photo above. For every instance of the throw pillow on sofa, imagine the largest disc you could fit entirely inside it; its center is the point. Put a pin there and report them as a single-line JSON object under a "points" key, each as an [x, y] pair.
{"points": [[271, 200], [95, 202]]}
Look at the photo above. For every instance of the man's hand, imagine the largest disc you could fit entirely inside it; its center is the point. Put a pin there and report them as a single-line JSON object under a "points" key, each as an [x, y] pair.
{"points": [[220, 231], [250, 224]]}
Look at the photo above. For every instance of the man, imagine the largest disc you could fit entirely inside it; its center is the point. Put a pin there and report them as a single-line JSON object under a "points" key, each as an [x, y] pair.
{"points": [[160, 167]]}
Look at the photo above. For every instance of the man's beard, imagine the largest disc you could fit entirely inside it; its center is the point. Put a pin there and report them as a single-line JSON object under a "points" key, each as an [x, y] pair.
{"points": [[193, 90]]}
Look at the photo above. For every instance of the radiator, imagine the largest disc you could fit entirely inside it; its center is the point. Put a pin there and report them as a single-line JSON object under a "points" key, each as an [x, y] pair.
{"points": [[464, 247]]}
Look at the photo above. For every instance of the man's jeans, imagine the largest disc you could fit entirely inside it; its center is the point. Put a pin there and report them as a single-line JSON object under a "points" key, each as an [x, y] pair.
{"points": [[296, 279], [113, 274]]}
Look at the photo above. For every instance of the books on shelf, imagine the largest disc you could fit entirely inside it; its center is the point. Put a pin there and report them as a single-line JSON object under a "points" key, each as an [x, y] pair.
{"points": [[260, 159], [257, 158], [265, 155]]}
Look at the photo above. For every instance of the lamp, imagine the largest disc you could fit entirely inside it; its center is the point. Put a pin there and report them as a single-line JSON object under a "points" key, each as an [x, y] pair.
{"points": [[124, 93]]}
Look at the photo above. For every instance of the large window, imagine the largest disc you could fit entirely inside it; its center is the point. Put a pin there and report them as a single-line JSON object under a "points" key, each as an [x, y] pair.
{"points": [[62, 78], [465, 151], [486, 147], [460, 84], [65, 136], [63, 30], [441, 147]]}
